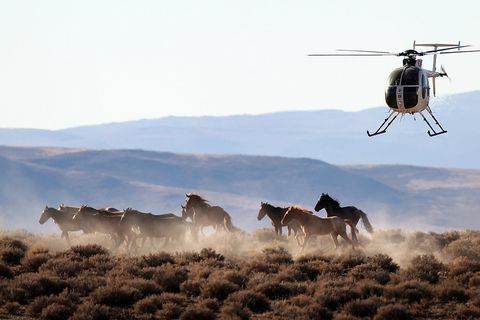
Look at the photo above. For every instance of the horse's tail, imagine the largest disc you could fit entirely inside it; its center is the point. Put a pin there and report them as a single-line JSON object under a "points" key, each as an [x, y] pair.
{"points": [[365, 221], [227, 221]]}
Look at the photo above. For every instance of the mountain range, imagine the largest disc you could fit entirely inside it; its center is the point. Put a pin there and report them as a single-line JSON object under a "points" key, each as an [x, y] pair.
{"points": [[330, 135]]}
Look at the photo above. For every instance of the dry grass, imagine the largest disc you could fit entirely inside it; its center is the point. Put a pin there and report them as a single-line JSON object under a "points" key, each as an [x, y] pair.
{"points": [[392, 276]]}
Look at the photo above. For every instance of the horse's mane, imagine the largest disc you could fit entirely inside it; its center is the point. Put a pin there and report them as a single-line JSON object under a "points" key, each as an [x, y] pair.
{"points": [[297, 208], [333, 201], [197, 198], [267, 205]]}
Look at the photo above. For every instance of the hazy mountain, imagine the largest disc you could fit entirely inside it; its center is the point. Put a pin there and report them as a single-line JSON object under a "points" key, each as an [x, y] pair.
{"points": [[331, 135], [157, 181]]}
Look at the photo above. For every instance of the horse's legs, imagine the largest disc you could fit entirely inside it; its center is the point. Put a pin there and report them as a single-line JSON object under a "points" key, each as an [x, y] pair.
{"points": [[305, 242], [65, 235], [344, 236], [334, 237], [289, 229], [354, 236]]}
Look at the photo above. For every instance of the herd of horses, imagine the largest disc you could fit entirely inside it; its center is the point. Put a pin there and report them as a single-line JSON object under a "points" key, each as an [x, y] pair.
{"points": [[129, 226]]}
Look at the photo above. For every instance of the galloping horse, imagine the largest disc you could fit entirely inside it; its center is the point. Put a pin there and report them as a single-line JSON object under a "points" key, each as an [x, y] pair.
{"points": [[203, 214], [106, 222], [152, 226], [313, 225], [276, 214], [333, 208], [63, 219]]}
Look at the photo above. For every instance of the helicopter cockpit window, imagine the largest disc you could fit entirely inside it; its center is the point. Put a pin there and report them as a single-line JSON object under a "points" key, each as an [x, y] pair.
{"points": [[410, 76], [395, 76]]}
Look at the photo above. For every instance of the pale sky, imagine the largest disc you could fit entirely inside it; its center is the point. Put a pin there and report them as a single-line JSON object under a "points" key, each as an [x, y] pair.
{"points": [[69, 63]]}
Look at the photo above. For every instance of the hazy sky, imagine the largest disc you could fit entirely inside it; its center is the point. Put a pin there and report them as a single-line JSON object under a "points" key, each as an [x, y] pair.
{"points": [[67, 63]]}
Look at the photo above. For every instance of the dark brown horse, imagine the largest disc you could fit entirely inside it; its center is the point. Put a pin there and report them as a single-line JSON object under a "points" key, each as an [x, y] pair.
{"points": [[203, 214], [64, 220], [103, 221], [313, 225], [333, 208], [168, 226], [276, 214]]}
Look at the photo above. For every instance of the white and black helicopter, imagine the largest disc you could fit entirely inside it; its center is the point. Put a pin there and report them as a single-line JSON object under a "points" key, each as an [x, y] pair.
{"points": [[408, 90]]}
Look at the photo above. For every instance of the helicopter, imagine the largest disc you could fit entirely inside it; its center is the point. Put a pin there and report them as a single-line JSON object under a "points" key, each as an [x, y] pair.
{"points": [[408, 89]]}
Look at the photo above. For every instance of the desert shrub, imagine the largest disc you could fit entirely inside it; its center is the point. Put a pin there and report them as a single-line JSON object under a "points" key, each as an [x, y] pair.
{"points": [[31, 263], [315, 311], [465, 246], [11, 308], [63, 267], [451, 292], [349, 261], [89, 250], [170, 277], [8, 242], [57, 311], [393, 312], [91, 311], [260, 267], [148, 305], [156, 259], [11, 255], [208, 253], [363, 308], [277, 256], [116, 296], [412, 291], [334, 297], [462, 265], [38, 284], [426, 268], [280, 290], [234, 311], [236, 278], [169, 311], [369, 288], [198, 313], [463, 312], [367, 271], [85, 284], [219, 289], [308, 269], [5, 272], [191, 288], [187, 257], [145, 287], [384, 262], [254, 301]]}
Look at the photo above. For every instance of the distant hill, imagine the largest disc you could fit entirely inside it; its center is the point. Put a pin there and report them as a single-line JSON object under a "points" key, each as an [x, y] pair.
{"points": [[330, 135], [156, 181]]}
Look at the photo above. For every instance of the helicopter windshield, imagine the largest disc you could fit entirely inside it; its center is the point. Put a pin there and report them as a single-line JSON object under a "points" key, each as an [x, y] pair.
{"points": [[410, 76], [395, 76]]}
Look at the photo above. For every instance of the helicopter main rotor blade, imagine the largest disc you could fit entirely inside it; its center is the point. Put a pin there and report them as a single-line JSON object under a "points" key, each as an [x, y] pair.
{"points": [[443, 49], [465, 51], [365, 51], [350, 55]]}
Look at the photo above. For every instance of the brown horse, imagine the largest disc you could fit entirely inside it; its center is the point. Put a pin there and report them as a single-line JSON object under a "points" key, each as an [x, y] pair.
{"points": [[313, 225], [351, 213], [64, 220], [203, 214], [103, 221], [168, 226], [276, 214]]}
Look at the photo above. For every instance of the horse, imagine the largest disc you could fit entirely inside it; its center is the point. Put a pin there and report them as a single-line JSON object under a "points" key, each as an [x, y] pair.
{"points": [[203, 214], [333, 208], [63, 219], [276, 214], [73, 210], [168, 225], [103, 221], [313, 225]]}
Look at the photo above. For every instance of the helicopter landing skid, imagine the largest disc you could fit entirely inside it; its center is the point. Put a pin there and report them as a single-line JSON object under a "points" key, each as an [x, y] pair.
{"points": [[380, 130], [433, 133]]}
